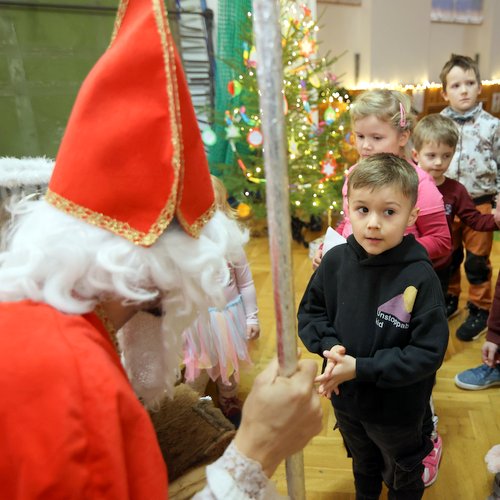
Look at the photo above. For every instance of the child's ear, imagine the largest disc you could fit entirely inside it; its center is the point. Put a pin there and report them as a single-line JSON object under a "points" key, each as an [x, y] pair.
{"points": [[404, 137], [414, 155], [444, 95], [480, 88], [413, 216]]}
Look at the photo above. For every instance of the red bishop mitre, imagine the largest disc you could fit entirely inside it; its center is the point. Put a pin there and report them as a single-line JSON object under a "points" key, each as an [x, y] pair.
{"points": [[132, 157]]}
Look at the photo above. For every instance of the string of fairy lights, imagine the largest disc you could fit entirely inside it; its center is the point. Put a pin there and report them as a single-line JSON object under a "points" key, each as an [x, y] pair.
{"points": [[413, 87]]}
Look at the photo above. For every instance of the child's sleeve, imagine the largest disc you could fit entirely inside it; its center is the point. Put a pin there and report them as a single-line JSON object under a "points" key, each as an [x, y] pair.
{"points": [[246, 287], [315, 328], [340, 226], [434, 234], [470, 215]]}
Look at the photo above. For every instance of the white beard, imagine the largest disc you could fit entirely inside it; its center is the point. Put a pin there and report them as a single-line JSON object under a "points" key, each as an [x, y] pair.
{"points": [[150, 355], [152, 346]]}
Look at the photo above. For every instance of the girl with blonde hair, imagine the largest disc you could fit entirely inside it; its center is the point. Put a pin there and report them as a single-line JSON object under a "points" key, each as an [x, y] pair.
{"points": [[216, 344]]}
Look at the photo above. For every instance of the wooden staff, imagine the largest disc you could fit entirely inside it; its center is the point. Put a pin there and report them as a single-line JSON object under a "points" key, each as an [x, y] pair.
{"points": [[267, 31]]}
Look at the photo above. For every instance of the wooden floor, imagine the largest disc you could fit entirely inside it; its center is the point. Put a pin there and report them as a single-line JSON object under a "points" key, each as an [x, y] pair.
{"points": [[469, 421]]}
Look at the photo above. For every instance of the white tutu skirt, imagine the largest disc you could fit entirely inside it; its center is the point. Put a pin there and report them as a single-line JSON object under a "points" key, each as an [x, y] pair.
{"points": [[217, 343]]}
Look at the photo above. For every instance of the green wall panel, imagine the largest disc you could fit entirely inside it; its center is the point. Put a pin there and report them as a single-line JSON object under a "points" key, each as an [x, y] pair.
{"points": [[45, 53]]}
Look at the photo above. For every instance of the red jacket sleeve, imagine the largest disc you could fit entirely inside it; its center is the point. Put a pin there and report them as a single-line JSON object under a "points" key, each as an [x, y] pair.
{"points": [[470, 215], [435, 233]]}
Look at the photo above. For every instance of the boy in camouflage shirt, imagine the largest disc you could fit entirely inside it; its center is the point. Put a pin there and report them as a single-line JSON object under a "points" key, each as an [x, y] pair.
{"points": [[476, 165]]}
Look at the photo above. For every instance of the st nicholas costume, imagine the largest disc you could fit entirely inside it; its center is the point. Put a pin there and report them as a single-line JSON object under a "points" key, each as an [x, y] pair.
{"points": [[131, 162], [95, 444]]}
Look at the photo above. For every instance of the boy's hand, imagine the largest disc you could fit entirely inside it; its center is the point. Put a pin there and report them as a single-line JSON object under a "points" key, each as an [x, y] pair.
{"points": [[344, 369], [317, 258], [330, 364], [489, 351], [253, 332]]}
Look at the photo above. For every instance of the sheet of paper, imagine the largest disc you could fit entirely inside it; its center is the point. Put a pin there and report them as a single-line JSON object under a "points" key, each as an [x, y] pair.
{"points": [[332, 239]]}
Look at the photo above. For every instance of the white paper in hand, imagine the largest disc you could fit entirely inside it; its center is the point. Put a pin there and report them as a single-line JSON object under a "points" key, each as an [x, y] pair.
{"points": [[332, 239]]}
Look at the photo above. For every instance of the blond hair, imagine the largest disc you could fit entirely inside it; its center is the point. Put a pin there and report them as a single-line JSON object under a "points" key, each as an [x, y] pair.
{"points": [[437, 129], [382, 170], [390, 106], [221, 203], [464, 62]]}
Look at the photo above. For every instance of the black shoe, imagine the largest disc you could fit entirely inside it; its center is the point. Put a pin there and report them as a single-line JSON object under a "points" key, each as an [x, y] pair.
{"points": [[475, 324], [451, 306]]}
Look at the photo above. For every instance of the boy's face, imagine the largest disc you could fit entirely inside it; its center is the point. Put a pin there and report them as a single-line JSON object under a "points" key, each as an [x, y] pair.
{"points": [[377, 136], [435, 159], [380, 217], [462, 89]]}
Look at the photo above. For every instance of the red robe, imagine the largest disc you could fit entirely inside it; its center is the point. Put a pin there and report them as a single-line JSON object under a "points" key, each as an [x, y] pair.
{"points": [[70, 424]]}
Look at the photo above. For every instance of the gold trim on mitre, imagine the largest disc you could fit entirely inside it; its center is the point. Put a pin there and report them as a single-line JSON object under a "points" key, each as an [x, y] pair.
{"points": [[194, 229], [121, 228], [118, 20], [172, 93], [117, 227]]}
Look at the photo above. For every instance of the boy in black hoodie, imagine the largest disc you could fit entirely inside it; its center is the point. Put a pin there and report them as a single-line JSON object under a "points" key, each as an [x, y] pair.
{"points": [[374, 310]]}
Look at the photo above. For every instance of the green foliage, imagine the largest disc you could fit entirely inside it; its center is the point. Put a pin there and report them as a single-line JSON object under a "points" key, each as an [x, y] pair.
{"points": [[317, 121]]}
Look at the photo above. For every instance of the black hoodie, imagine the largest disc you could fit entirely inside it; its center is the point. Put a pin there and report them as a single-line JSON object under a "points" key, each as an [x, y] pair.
{"points": [[388, 312]]}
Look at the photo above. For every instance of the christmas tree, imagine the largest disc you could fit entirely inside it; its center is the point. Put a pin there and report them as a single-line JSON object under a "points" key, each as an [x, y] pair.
{"points": [[316, 112]]}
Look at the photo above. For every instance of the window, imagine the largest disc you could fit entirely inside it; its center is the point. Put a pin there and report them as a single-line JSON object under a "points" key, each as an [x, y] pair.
{"points": [[457, 11]]}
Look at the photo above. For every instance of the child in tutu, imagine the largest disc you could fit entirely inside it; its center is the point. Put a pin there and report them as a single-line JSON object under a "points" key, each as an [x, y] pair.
{"points": [[216, 343]]}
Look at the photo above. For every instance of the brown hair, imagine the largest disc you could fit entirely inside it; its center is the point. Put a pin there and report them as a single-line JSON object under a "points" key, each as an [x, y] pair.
{"points": [[385, 169], [464, 62], [437, 129]]}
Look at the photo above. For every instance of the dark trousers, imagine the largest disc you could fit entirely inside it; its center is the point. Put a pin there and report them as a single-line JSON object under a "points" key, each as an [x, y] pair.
{"points": [[389, 453], [444, 275], [477, 260]]}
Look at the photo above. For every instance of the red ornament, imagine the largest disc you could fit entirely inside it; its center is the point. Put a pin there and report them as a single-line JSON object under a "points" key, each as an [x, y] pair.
{"points": [[254, 138], [329, 167]]}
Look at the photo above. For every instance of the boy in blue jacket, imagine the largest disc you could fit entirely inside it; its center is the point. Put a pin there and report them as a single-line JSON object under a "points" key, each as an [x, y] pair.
{"points": [[374, 310]]}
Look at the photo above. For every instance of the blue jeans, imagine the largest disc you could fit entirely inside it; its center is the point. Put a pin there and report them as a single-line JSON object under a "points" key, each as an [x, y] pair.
{"points": [[389, 453]]}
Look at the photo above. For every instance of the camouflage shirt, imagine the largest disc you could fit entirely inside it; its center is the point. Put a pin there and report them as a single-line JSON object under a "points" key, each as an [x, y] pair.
{"points": [[476, 163]]}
